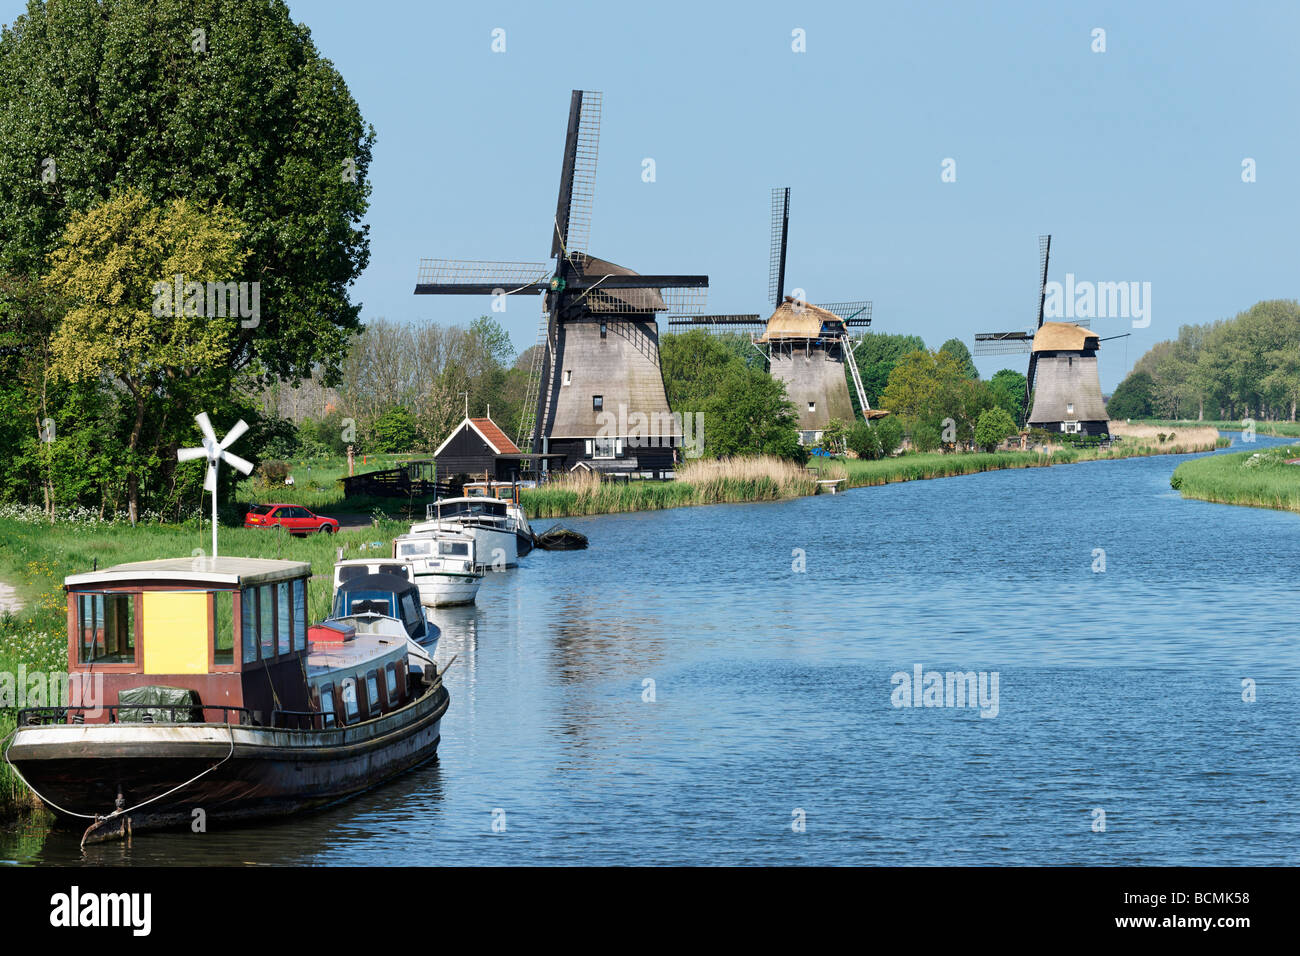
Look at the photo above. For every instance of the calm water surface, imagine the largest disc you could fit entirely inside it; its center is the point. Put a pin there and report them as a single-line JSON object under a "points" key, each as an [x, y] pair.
{"points": [[772, 689]]}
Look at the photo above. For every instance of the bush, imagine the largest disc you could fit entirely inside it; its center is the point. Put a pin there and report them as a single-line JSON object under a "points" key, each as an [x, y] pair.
{"points": [[926, 437], [864, 442], [992, 428], [889, 432], [273, 472]]}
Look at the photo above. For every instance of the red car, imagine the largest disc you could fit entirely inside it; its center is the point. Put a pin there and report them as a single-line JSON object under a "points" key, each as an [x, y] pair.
{"points": [[293, 518]]}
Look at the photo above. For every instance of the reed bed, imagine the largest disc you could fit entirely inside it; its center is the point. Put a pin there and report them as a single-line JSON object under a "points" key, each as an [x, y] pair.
{"points": [[699, 482], [1178, 440], [1259, 479], [1278, 429]]}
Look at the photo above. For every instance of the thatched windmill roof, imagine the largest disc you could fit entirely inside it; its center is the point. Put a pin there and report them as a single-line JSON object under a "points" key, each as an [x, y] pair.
{"points": [[796, 319], [619, 300], [1065, 337]]}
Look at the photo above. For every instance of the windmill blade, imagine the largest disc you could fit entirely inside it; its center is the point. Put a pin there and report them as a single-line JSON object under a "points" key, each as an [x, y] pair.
{"points": [[189, 454], [718, 323], [1003, 343], [210, 479], [780, 234], [205, 427], [1044, 254], [577, 175], [241, 426], [230, 458], [480, 277], [856, 313]]}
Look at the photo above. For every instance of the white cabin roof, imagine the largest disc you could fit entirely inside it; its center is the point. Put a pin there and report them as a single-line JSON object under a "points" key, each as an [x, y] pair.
{"points": [[241, 572]]}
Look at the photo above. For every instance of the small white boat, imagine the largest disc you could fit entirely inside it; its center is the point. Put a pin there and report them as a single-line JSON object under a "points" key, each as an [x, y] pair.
{"points": [[378, 603], [486, 520], [443, 566]]}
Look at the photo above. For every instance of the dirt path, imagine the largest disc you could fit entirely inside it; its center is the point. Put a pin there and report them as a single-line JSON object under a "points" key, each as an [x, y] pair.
{"points": [[9, 599]]}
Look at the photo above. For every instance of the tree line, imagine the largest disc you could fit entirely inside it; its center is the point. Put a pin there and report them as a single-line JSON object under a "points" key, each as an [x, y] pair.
{"points": [[1244, 367]]}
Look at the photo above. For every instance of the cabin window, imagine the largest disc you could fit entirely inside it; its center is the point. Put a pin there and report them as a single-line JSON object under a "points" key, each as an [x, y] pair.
{"points": [[410, 549], [284, 620], [300, 614], [349, 695], [266, 619], [390, 679], [457, 548], [568, 376], [603, 448], [223, 627], [412, 616], [248, 613], [327, 705], [106, 624], [372, 693], [597, 403]]}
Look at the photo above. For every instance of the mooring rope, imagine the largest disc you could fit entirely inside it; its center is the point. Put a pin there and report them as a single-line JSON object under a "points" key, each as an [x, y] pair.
{"points": [[116, 813]]}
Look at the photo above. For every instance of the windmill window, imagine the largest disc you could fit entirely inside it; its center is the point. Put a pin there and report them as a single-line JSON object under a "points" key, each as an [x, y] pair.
{"points": [[812, 406], [597, 403], [603, 448], [1069, 408], [603, 328], [568, 376]]}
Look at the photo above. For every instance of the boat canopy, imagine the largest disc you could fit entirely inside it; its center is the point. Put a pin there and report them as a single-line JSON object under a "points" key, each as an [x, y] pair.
{"points": [[239, 572], [384, 594]]}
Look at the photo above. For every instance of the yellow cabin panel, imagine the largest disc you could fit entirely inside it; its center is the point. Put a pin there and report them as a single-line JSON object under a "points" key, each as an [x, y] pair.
{"points": [[175, 630]]}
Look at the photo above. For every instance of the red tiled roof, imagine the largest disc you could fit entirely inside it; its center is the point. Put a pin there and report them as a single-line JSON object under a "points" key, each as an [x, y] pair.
{"points": [[495, 436]]}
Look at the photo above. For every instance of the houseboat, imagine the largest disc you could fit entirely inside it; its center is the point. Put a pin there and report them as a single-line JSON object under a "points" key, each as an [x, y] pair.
{"points": [[486, 520], [198, 686], [443, 566]]}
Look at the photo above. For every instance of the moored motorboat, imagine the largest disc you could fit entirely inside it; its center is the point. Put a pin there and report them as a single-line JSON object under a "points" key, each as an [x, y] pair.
{"points": [[198, 691], [443, 566], [508, 491], [367, 601], [484, 519]]}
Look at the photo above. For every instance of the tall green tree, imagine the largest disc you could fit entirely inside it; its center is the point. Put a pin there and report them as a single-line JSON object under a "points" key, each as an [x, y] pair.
{"points": [[212, 100], [961, 354], [114, 268], [749, 414]]}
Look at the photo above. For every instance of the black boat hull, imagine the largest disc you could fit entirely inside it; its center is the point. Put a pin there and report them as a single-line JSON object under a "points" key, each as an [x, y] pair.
{"points": [[220, 773]]}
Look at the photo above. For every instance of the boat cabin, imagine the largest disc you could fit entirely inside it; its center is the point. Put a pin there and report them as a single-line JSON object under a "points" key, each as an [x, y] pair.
{"points": [[232, 631], [381, 596]]}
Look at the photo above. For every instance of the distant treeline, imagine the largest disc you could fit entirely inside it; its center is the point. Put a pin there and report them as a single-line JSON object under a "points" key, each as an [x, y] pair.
{"points": [[1244, 367]]}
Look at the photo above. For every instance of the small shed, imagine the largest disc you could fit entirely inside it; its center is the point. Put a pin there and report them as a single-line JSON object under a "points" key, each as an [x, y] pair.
{"points": [[478, 446]]}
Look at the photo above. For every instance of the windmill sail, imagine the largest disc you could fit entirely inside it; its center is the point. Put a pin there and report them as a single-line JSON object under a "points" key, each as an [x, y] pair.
{"points": [[780, 236]]}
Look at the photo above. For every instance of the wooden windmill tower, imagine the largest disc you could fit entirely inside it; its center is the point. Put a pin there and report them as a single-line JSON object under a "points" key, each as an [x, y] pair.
{"points": [[596, 391], [1063, 391], [807, 346]]}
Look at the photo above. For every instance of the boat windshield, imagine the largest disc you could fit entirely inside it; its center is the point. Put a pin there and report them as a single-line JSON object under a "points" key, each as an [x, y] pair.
{"points": [[348, 603], [460, 548], [487, 507]]}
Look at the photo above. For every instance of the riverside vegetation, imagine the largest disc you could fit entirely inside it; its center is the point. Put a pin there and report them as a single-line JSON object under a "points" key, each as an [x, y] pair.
{"points": [[1260, 479]]}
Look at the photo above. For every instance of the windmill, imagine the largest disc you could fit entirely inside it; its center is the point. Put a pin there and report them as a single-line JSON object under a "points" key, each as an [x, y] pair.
{"points": [[215, 451], [596, 390], [807, 346], [1062, 388]]}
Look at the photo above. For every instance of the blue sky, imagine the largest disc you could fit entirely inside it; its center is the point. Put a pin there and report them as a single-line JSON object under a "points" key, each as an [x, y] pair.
{"points": [[1131, 158]]}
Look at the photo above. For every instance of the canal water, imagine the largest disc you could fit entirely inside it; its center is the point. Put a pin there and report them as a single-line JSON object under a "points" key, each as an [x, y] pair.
{"points": [[717, 686]]}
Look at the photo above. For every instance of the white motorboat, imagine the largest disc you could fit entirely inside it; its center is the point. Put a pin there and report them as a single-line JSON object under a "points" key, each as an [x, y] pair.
{"points": [[486, 520], [443, 566], [508, 491], [381, 604]]}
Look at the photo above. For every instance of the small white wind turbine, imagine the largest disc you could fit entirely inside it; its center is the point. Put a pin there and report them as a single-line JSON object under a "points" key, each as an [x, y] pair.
{"points": [[214, 451]]}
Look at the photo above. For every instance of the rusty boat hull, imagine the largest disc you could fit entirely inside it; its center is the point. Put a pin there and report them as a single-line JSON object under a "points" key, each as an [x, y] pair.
{"points": [[132, 777]]}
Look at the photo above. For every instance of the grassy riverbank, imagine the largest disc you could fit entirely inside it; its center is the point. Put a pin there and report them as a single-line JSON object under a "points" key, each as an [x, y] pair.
{"points": [[1276, 429], [1260, 479]]}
